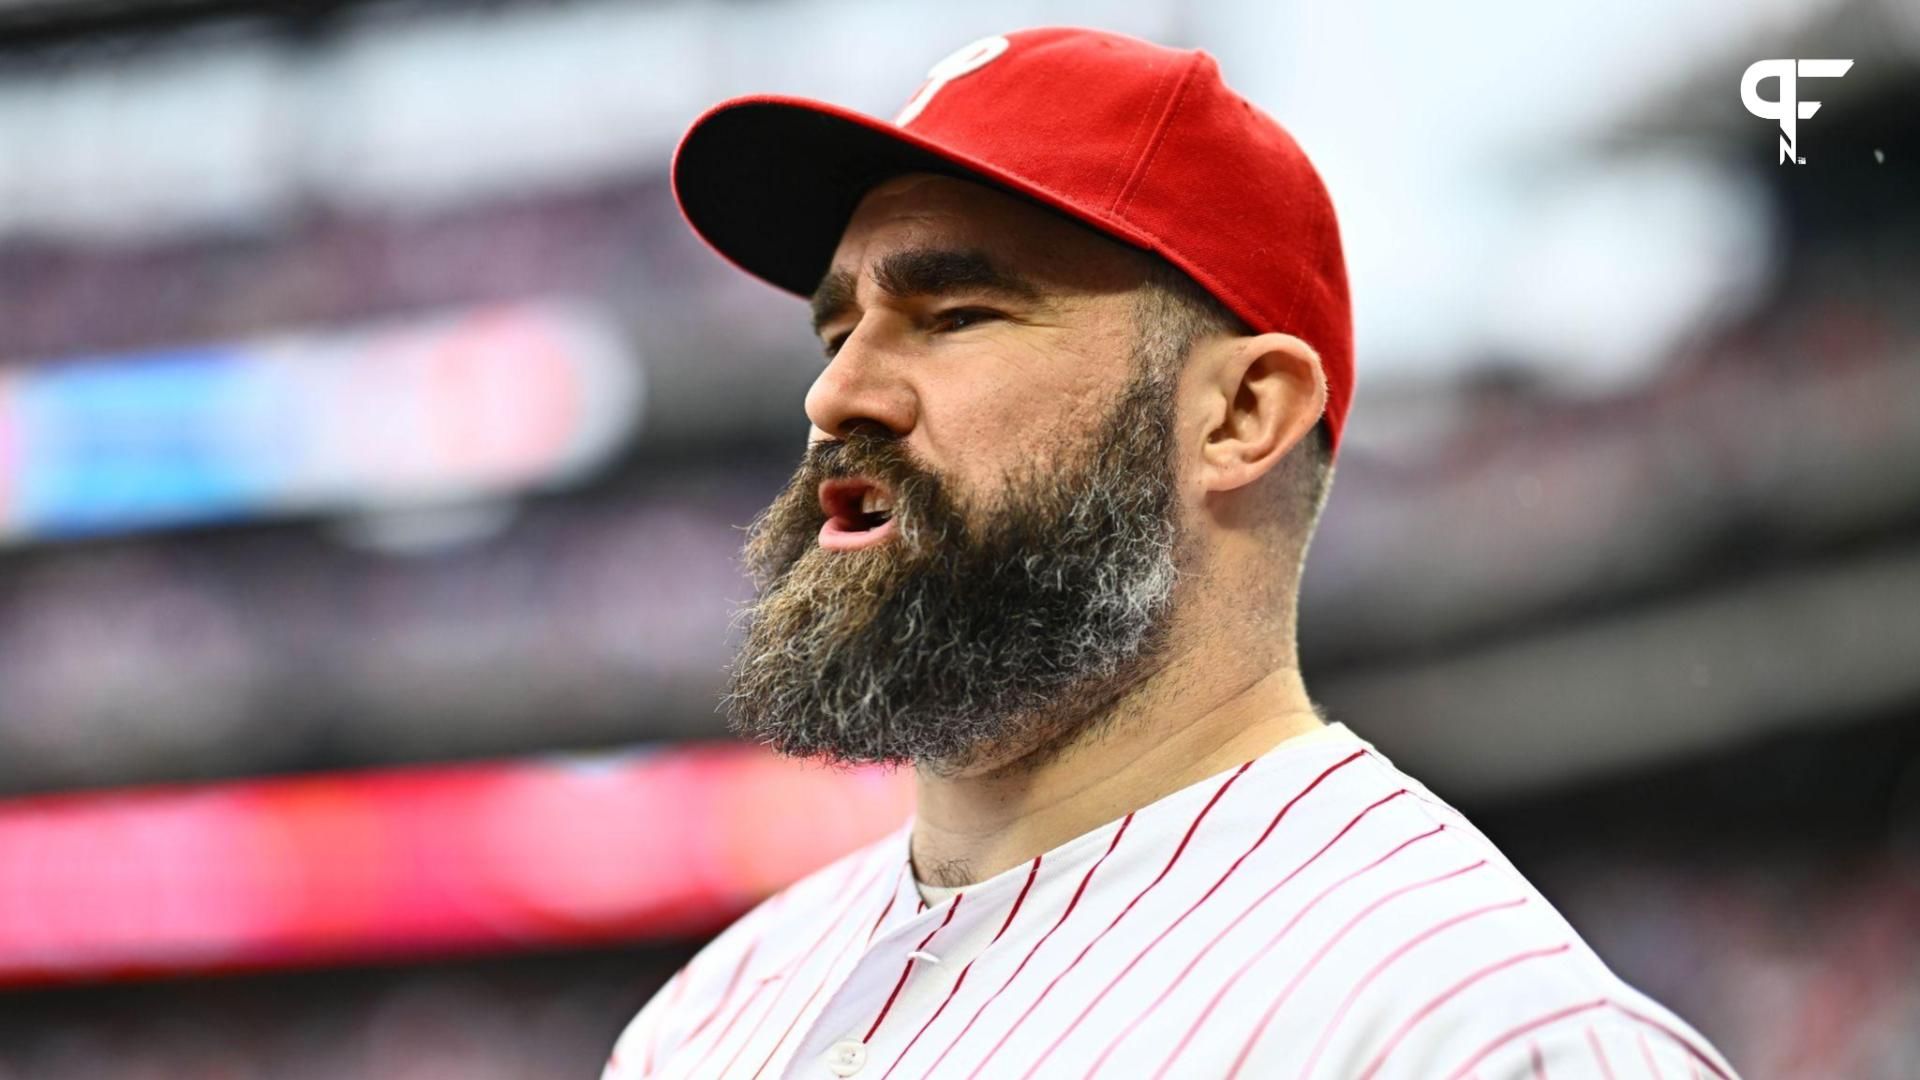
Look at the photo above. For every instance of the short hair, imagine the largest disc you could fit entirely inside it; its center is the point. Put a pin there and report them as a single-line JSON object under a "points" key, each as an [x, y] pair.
{"points": [[1175, 312]]}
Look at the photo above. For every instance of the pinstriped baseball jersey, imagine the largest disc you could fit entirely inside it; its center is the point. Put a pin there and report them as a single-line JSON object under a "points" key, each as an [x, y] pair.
{"points": [[1312, 913]]}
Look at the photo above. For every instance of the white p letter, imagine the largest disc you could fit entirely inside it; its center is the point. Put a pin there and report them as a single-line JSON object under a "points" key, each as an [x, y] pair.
{"points": [[970, 58]]}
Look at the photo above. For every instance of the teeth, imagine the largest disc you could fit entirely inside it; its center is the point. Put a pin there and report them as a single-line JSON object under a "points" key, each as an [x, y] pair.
{"points": [[875, 501]]}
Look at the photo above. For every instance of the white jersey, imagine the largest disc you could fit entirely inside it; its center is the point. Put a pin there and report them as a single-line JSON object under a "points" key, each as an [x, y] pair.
{"points": [[1312, 913]]}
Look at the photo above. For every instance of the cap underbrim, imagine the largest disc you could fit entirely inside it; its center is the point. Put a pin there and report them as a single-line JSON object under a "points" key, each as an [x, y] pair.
{"points": [[770, 182]]}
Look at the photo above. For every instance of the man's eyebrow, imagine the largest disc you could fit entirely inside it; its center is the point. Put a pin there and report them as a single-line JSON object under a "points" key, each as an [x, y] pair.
{"points": [[922, 272], [935, 271]]}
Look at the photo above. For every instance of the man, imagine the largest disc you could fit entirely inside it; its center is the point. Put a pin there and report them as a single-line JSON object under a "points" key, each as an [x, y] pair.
{"points": [[1088, 359]]}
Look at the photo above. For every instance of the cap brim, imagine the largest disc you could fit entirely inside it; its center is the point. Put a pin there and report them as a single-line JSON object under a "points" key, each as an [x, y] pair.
{"points": [[770, 182]]}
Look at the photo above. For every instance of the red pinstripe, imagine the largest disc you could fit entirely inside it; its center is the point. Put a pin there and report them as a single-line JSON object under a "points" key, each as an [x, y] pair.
{"points": [[1675, 1038], [660, 1022], [1097, 938], [1219, 995], [727, 995], [733, 982], [908, 969], [905, 868], [1532, 1025], [1387, 961], [1561, 1014], [1400, 1033], [1195, 906], [1539, 1066], [1167, 992], [745, 1007], [798, 964], [852, 869], [1599, 1052], [1033, 871], [1325, 948], [1647, 1053], [1071, 904], [1426, 797]]}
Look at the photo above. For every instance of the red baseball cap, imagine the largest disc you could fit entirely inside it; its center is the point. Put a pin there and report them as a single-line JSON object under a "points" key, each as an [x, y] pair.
{"points": [[1142, 142]]}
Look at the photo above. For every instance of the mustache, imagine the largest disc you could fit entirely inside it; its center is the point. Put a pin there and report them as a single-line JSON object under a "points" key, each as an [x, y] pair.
{"points": [[861, 452]]}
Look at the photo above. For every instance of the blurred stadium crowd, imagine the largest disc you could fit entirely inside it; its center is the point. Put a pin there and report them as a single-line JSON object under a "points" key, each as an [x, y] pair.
{"points": [[1658, 634]]}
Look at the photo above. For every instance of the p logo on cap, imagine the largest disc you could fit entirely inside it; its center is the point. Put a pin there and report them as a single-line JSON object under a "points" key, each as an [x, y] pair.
{"points": [[967, 59]]}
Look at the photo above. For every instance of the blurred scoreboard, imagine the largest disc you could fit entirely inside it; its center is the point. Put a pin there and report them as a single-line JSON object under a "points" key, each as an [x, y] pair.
{"points": [[656, 844], [450, 408]]}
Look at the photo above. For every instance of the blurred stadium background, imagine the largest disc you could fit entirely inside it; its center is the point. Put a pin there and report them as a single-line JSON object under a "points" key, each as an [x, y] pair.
{"points": [[374, 441]]}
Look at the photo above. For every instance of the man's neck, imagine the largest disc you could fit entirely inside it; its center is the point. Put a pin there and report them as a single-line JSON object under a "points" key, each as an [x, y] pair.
{"points": [[1176, 728]]}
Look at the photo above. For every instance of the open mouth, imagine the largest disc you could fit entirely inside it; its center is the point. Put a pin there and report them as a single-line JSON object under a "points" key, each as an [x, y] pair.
{"points": [[859, 513]]}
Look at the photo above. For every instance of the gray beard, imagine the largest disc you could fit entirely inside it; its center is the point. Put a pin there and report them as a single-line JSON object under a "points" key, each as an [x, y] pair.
{"points": [[965, 635]]}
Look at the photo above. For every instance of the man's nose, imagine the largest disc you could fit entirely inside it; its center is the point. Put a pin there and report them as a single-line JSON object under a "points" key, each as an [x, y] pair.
{"points": [[862, 384]]}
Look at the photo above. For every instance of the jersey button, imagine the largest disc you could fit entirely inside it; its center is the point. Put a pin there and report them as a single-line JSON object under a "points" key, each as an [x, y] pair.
{"points": [[847, 1057]]}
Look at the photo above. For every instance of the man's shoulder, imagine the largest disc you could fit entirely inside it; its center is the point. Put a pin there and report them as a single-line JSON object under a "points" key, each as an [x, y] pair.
{"points": [[820, 894], [752, 948], [775, 923], [1416, 946]]}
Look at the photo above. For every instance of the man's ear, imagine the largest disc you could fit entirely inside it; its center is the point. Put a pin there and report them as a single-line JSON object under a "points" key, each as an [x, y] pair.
{"points": [[1263, 394]]}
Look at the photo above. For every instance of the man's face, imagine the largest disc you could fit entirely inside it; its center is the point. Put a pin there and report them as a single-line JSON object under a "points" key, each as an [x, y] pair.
{"points": [[979, 551]]}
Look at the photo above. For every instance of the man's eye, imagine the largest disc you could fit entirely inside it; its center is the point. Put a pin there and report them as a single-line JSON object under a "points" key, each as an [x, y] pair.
{"points": [[832, 345], [962, 318]]}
